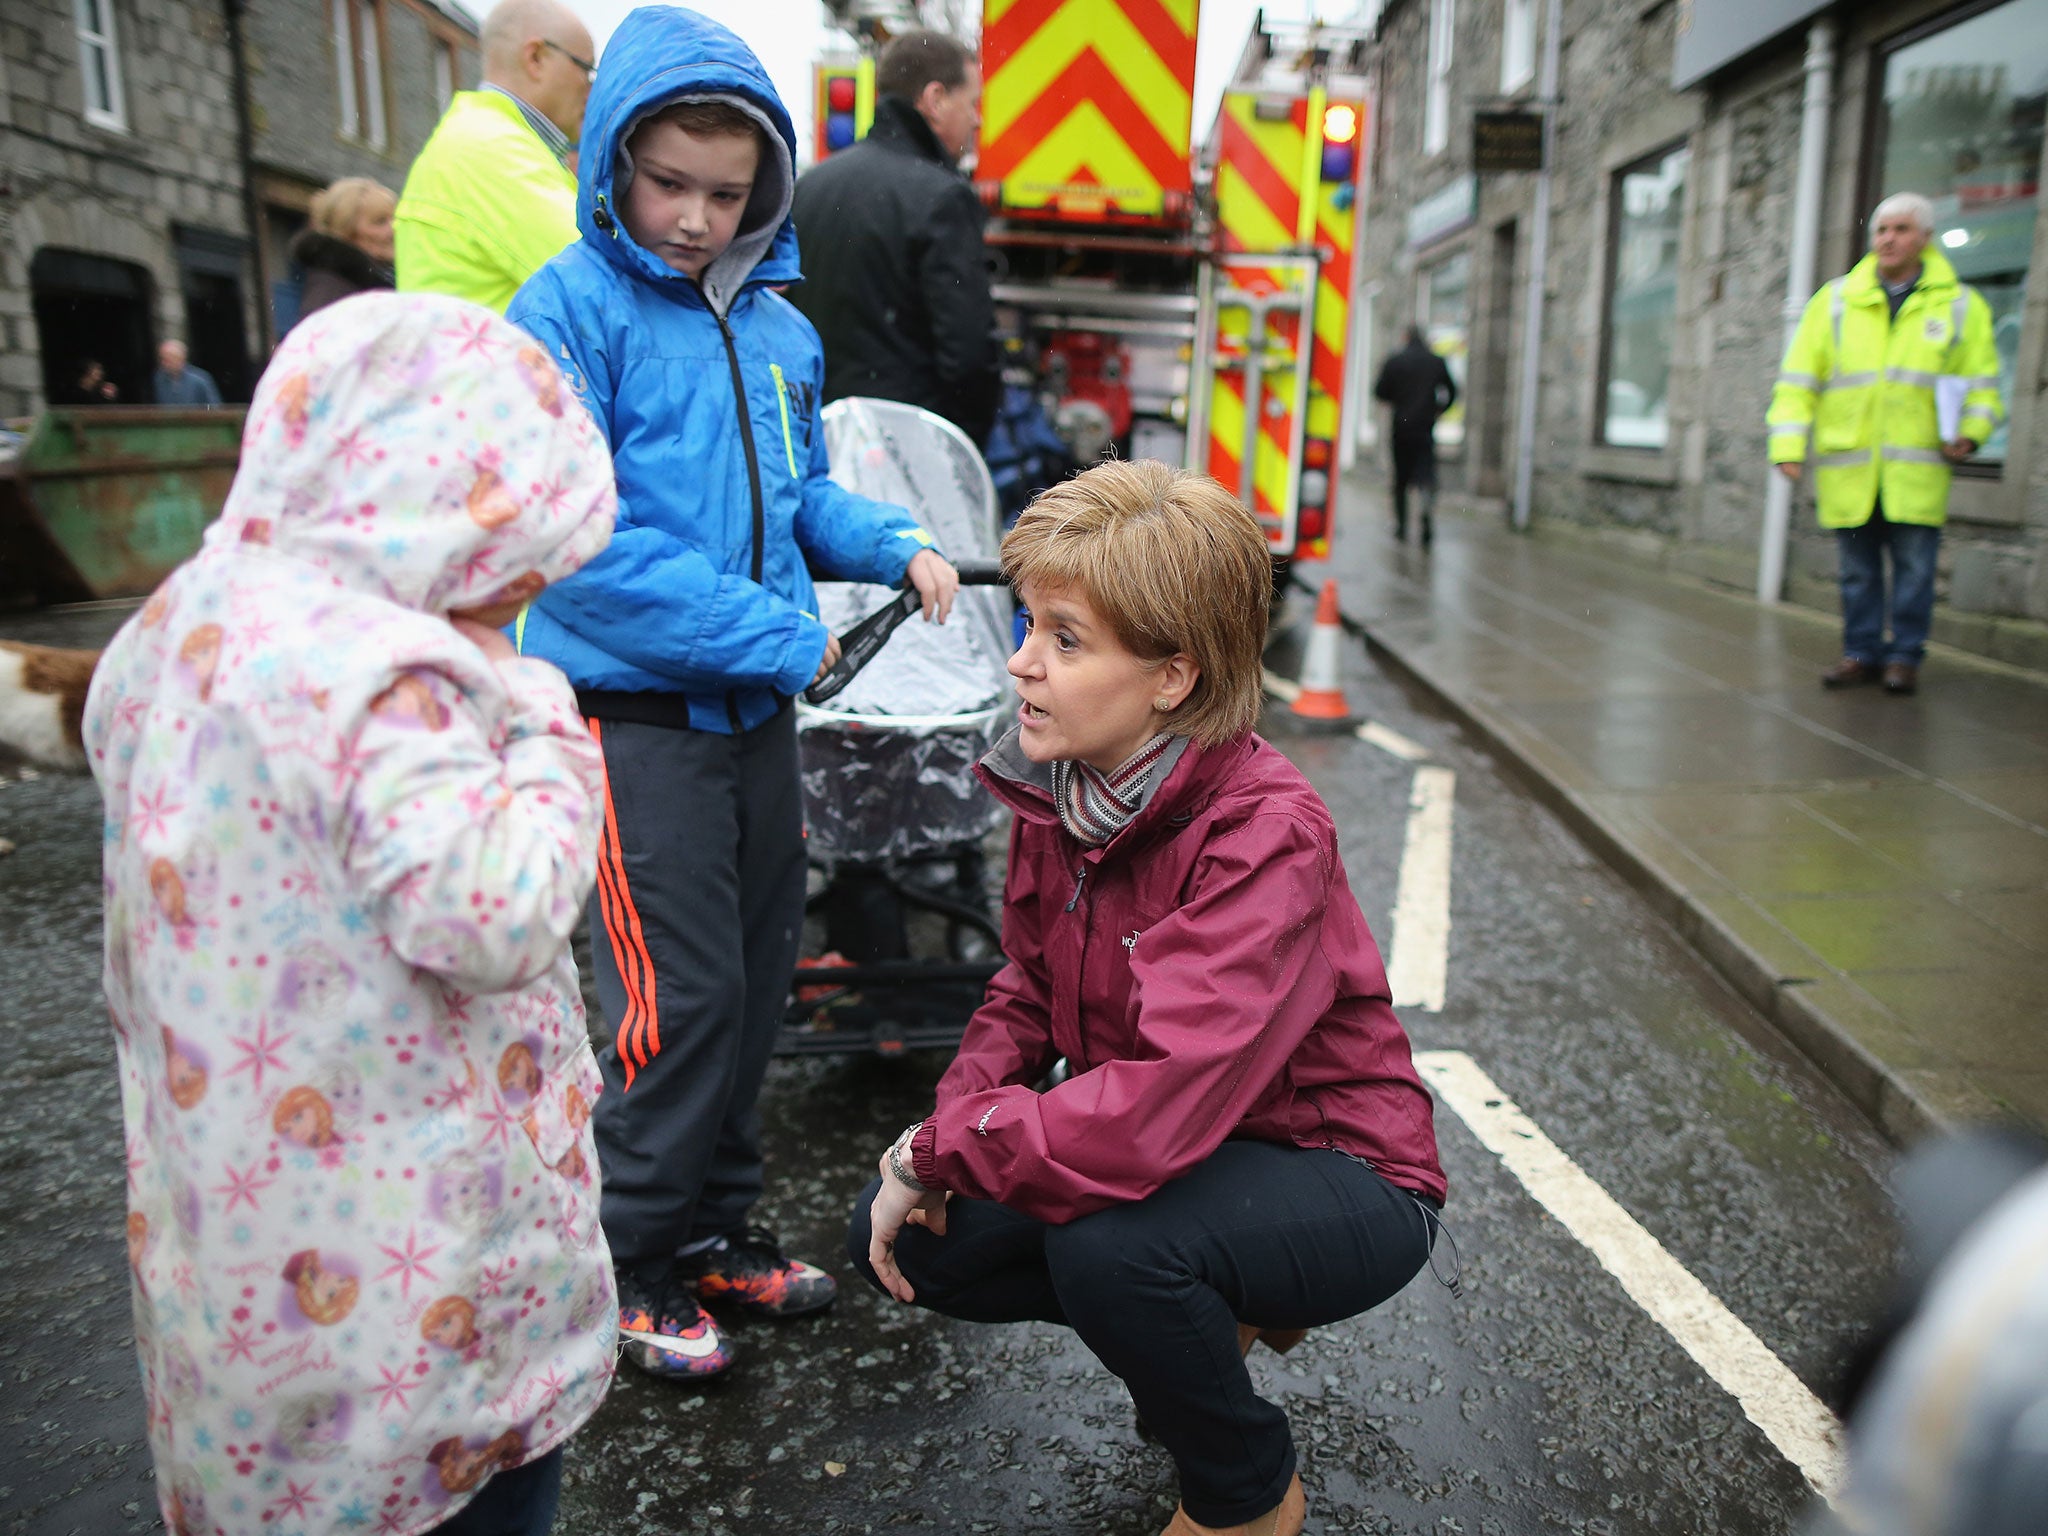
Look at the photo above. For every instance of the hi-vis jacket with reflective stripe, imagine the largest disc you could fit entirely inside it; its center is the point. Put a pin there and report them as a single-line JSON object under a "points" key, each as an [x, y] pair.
{"points": [[1862, 385]]}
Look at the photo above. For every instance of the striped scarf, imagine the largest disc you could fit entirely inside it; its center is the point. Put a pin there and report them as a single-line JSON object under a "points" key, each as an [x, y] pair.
{"points": [[1094, 805]]}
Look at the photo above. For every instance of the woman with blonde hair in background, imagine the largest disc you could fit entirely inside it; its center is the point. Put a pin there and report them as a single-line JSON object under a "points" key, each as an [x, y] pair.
{"points": [[346, 247]]}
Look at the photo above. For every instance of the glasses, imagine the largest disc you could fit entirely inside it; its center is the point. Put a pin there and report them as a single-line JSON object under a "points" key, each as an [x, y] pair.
{"points": [[589, 69]]}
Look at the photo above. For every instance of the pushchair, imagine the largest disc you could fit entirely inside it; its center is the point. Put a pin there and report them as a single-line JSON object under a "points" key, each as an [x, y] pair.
{"points": [[898, 923]]}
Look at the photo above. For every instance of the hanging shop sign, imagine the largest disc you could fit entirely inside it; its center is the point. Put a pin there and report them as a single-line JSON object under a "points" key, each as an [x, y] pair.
{"points": [[1507, 141]]}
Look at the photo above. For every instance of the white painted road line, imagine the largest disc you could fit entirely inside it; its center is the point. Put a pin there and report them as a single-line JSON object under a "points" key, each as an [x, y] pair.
{"points": [[1281, 688], [1391, 741], [1422, 899], [1776, 1401]]}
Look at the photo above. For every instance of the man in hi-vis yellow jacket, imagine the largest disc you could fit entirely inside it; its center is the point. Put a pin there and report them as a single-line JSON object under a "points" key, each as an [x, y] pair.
{"points": [[491, 199], [1880, 356]]}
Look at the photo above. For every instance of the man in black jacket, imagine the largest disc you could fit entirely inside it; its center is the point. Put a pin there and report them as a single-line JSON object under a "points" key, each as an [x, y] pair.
{"points": [[895, 276], [1418, 385]]}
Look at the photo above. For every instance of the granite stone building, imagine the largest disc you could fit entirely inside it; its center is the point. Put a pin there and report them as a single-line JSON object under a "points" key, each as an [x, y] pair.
{"points": [[150, 179], [1678, 135]]}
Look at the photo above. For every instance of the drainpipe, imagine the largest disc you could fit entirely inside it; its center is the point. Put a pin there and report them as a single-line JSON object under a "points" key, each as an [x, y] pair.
{"points": [[1799, 278], [245, 146], [1539, 264]]}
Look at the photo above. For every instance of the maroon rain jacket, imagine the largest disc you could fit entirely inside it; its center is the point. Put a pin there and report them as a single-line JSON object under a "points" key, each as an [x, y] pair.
{"points": [[1207, 975]]}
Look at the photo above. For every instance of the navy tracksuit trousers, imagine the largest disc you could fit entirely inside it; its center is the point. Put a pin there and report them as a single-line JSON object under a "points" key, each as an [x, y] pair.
{"points": [[695, 926]]}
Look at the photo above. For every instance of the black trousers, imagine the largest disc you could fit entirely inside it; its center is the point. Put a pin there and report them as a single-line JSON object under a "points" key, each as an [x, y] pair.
{"points": [[1414, 465], [1283, 1237], [695, 925]]}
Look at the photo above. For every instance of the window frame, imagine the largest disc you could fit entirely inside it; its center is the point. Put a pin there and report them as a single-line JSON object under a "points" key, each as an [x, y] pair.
{"points": [[1611, 271], [105, 45], [1436, 88], [444, 74], [1511, 82], [361, 81]]}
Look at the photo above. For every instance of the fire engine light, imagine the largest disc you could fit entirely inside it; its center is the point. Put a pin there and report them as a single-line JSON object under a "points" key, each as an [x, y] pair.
{"points": [[839, 93], [1315, 453], [1315, 487], [839, 130], [1340, 124], [1336, 162]]}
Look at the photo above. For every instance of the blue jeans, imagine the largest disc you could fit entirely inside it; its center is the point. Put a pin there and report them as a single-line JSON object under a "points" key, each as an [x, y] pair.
{"points": [[1861, 551], [516, 1503]]}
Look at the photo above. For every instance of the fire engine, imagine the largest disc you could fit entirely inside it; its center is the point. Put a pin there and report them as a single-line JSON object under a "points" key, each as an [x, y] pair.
{"points": [[1171, 301]]}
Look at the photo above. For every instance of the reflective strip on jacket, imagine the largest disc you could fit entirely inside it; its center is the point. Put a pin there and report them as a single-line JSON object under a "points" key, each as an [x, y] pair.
{"points": [[1861, 385], [485, 205]]}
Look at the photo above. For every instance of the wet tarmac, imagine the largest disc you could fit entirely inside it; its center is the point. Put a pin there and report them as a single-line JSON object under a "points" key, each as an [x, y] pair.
{"points": [[1542, 1401]]}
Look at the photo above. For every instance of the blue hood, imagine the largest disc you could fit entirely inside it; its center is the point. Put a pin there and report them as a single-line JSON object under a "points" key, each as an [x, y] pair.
{"points": [[661, 54]]}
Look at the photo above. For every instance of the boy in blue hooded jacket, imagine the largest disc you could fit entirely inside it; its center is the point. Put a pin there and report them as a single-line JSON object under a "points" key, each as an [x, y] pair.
{"points": [[685, 640]]}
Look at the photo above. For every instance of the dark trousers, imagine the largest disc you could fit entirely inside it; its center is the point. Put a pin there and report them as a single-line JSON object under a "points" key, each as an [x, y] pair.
{"points": [[1283, 1237], [516, 1503], [1861, 552], [1414, 465], [695, 925]]}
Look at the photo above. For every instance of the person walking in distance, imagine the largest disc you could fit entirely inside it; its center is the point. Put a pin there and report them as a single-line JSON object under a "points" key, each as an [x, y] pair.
{"points": [[1883, 357], [1418, 385], [895, 273]]}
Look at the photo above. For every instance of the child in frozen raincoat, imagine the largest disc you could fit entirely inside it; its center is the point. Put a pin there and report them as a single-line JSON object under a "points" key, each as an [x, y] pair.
{"points": [[348, 832]]}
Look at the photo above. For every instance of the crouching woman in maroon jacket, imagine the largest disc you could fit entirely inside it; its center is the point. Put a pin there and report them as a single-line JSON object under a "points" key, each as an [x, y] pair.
{"points": [[1243, 1148]]}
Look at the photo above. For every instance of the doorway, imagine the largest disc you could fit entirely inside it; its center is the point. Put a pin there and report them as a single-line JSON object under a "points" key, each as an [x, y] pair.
{"points": [[1492, 405], [91, 307], [216, 333]]}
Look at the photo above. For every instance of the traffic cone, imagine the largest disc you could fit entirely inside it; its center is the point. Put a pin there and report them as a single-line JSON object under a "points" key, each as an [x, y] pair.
{"points": [[1322, 689]]}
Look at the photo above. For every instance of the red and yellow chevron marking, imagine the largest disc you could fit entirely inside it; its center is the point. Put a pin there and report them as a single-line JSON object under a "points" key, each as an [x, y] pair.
{"points": [[1263, 168], [1087, 106], [1275, 471]]}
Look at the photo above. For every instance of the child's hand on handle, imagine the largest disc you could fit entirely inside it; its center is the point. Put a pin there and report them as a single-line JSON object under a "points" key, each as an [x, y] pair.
{"points": [[490, 641], [831, 659], [937, 583]]}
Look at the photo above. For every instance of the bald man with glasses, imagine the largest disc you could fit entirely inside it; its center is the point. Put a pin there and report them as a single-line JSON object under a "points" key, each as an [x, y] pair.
{"points": [[492, 196]]}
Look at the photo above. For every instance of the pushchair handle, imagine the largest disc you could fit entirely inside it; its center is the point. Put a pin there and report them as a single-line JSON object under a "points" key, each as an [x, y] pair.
{"points": [[857, 647]]}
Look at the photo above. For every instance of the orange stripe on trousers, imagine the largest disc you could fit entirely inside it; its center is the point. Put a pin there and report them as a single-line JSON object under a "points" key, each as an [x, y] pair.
{"points": [[640, 1027]]}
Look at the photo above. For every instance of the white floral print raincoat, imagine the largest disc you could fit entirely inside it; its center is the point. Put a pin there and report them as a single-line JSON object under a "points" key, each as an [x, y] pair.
{"points": [[344, 852]]}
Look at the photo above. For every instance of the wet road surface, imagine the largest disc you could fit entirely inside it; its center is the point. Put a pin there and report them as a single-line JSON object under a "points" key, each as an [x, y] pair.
{"points": [[1544, 1400]]}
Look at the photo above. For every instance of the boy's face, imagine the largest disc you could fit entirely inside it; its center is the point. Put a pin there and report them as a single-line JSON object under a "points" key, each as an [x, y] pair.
{"points": [[688, 193]]}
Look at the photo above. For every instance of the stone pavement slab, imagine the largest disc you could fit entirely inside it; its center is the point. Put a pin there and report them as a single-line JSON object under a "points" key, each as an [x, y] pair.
{"points": [[1871, 872]]}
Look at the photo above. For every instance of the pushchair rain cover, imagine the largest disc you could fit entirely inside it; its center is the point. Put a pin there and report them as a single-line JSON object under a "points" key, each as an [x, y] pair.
{"points": [[888, 763]]}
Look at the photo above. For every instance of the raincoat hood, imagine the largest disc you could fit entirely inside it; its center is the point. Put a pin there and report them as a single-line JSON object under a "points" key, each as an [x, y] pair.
{"points": [[421, 449], [639, 75]]}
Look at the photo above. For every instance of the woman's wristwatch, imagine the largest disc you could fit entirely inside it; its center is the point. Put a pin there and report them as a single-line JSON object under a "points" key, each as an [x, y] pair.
{"points": [[899, 1169]]}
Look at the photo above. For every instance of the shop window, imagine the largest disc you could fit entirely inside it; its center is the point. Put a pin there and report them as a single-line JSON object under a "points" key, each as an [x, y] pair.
{"points": [[1445, 304], [1436, 107], [359, 68], [99, 64], [1646, 219], [1517, 43], [1961, 123]]}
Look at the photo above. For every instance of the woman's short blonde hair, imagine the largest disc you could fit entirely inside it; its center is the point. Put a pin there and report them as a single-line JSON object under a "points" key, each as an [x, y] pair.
{"points": [[339, 209], [1174, 564]]}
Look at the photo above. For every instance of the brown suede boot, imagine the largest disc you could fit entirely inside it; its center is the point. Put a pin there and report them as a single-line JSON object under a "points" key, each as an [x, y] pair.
{"points": [[1284, 1519]]}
